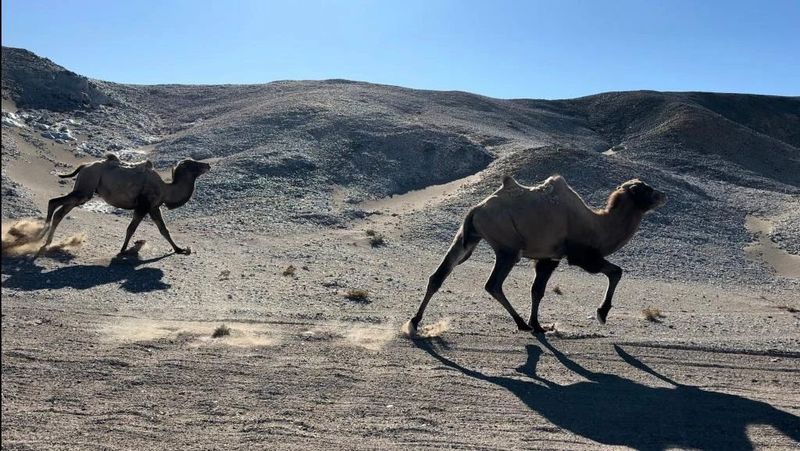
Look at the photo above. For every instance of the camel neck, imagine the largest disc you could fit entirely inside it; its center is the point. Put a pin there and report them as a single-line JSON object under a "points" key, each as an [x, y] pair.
{"points": [[616, 227], [178, 192]]}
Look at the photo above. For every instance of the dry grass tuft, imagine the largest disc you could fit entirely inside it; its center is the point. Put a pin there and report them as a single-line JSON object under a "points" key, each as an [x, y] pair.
{"points": [[221, 331], [357, 295], [376, 241], [370, 232], [652, 314], [557, 290], [289, 271]]}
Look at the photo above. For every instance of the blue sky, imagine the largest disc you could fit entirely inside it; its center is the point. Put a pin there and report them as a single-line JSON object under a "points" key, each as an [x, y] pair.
{"points": [[499, 48]]}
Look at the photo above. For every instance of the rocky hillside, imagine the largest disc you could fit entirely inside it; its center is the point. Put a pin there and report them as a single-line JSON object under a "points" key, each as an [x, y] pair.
{"points": [[306, 153]]}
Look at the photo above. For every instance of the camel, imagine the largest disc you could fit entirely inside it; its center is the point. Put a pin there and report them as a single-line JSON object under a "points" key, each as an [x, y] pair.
{"points": [[130, 187], [546, 223]]}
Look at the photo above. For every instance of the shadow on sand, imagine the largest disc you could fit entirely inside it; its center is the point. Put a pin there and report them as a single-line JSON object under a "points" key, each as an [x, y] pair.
{"points": [[616, 411], [26, 275]]}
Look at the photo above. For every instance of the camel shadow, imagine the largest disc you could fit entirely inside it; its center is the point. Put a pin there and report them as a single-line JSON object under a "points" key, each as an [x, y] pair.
{"points": [[26, 275], [615, 411]]}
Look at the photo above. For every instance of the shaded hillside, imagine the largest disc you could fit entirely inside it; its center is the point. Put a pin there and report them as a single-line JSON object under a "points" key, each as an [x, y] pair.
{"points": [[34, 82]]}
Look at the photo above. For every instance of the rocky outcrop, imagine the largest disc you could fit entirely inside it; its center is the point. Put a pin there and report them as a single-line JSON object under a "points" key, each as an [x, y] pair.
{"points": [[38, 83]]}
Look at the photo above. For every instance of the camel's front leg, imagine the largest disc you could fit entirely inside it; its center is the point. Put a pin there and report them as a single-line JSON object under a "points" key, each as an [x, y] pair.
{"points": [[544, 269], [593, 262], [156, 215], [614, 274]]}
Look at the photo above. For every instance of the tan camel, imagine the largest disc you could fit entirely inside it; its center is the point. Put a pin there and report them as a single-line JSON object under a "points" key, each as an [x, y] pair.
{"points": [[130, 187], [546, 223]]}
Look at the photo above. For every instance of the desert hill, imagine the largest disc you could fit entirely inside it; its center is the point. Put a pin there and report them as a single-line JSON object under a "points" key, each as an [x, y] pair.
{"points": [[308, 153]]}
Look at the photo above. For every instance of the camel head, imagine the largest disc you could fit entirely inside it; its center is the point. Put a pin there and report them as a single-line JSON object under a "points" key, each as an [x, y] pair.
{"points": [[191, 168], [643, 196]]}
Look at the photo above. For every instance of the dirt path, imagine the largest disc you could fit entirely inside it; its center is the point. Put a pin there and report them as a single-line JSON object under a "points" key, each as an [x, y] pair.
{"points": [[784, 263]]}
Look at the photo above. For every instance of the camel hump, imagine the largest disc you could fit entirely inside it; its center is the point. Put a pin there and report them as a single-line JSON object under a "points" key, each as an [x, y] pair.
{"points": [[555, 180], [508, 181]]}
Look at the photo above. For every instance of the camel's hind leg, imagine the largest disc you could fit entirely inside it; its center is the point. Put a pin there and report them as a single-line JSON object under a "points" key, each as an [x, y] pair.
{"points": [[544, 269], [137, 219], [67, 202], [504, 263], [53, 204], [459, 252]]}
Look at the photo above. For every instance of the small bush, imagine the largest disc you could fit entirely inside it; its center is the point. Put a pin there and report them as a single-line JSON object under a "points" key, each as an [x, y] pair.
{"points": [[289, 271], [357, 295], [557, 290], [370, 232], [652, 314], [221, 331], [377, 240]]}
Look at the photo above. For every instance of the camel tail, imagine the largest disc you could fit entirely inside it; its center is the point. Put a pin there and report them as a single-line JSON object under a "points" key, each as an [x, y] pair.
{"points": [[73, 173], [468, 229]]}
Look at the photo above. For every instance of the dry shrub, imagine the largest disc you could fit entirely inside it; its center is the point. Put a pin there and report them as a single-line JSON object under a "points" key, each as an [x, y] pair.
{"points": [[652, 314], [377, 240], [221, 331], [357, 295], [557, 290], [289, 271], [26, 236]]}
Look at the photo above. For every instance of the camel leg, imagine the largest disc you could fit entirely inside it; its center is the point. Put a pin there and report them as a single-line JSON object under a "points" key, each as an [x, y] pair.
{"points": [[72, 200], [459, 252], [544, 269], [156, 215], [54, 203], [614, 274], [504, 262], [137, 219]]}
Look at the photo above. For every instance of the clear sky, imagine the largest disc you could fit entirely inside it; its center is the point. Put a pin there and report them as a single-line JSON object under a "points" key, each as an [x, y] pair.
{"points": [[499, 48]]}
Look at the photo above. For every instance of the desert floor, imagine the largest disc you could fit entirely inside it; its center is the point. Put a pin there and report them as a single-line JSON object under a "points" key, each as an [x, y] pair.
{"points": [[116, 353]]}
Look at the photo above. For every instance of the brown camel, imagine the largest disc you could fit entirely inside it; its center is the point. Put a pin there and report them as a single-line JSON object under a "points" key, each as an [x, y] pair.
{"points": [[130, 187], [546, 223]]}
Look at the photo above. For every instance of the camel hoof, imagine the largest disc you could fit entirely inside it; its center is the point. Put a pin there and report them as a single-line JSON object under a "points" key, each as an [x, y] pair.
{"points": [[40, 252], [536, 328], [409, 329], [601, 316], [185, 251]]}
